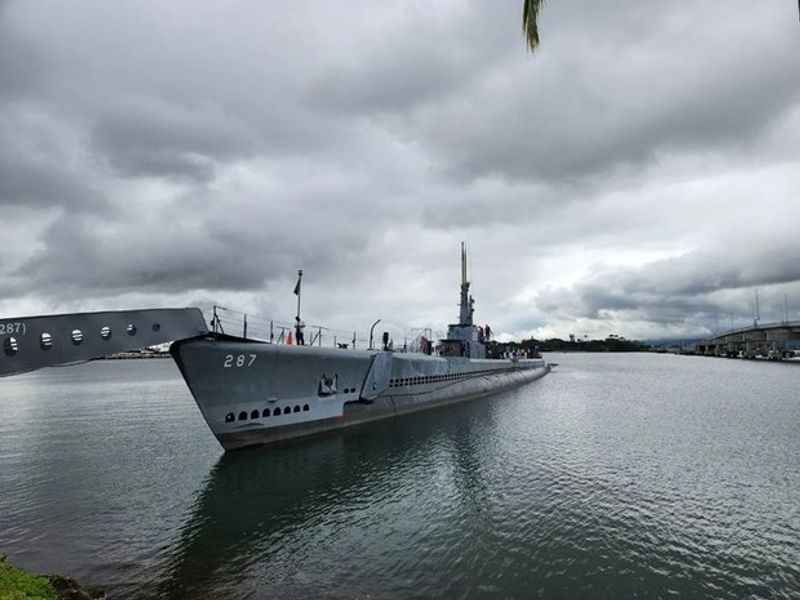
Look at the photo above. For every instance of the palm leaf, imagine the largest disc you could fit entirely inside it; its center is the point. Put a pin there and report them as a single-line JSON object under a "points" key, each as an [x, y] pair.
{"points": [[530, 11]]}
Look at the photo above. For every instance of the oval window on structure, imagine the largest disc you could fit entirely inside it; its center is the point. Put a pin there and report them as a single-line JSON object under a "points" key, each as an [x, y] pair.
{"points": [[105, 333], [10, 346], [77, 336], [46, 341]]}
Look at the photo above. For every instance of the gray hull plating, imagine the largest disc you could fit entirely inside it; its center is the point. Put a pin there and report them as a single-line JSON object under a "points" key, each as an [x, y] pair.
{"points": [[252, 393]]}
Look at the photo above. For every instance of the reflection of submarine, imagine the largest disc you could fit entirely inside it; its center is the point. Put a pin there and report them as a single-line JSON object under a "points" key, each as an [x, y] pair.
{"points": [[248, 522]]}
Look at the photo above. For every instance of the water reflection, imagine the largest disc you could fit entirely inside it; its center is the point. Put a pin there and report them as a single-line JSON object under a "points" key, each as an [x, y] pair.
{"points": [[254, 500], [615, 476]]}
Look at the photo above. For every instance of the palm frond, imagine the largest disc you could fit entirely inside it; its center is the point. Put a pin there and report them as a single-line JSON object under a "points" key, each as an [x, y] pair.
{"points": [[530, 12]]}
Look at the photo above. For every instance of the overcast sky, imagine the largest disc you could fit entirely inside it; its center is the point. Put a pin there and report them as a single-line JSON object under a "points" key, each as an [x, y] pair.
{"points": [[638, 175]]}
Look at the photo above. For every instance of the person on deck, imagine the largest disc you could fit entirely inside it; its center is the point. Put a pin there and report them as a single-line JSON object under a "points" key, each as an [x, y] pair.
{"points": [[299, 326]]}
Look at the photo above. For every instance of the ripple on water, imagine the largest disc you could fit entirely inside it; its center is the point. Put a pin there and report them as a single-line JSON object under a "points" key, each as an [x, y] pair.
{"points": [[616, 476]]}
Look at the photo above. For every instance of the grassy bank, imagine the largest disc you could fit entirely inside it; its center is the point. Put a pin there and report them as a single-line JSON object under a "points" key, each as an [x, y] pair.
{"points": [[16, 584]]}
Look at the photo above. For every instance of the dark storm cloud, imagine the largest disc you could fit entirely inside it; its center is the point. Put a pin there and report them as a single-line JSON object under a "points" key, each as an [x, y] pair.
{"points": [[142, 140], [101, 258], [174, 249], [26, 181], [423, 58], [35, 169], [602, 99], [153, 137]]}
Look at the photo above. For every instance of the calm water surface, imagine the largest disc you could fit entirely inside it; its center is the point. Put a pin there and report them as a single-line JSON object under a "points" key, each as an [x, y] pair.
{"points": [[616, 476]]}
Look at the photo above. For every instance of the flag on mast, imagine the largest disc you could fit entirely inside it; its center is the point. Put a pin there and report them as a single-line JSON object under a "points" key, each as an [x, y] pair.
{"points": [[297, 285]]}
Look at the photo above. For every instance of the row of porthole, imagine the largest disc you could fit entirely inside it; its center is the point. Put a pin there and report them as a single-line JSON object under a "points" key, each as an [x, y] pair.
{"points": [[254, 414], [404, 381], [11, 345]]}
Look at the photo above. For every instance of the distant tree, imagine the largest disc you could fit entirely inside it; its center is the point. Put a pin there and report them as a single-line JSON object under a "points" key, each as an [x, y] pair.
{"points": [[530, 12]]}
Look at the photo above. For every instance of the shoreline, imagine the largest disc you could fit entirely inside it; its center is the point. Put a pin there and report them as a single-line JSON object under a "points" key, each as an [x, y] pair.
{"points": [[18, 584]]}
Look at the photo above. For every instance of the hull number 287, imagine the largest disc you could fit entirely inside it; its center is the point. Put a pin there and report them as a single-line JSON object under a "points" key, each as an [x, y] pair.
{"points": [[239, 360], [12, 327]]}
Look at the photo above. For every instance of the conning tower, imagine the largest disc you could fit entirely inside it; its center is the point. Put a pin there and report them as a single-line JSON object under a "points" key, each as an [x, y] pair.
{"points": [[463, 338]]}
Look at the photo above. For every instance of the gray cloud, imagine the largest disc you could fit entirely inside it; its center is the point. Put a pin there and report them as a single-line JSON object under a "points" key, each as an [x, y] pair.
{"points": [[37, 168], [603, 99], [164, 153], [701, 286]]}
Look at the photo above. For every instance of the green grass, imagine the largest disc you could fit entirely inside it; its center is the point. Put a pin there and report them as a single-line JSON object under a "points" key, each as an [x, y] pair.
{"points": [[16, 584]]}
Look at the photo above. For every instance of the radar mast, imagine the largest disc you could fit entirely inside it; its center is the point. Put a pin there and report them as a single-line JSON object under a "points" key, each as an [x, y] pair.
{"points": [[467, 302]]}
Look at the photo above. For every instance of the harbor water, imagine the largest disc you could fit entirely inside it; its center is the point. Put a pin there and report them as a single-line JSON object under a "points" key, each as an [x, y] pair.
{"points": [[616, 476]]}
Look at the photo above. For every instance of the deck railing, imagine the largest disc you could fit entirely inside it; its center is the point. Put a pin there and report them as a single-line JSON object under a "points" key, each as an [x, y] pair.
{"points": [[258, 327]]}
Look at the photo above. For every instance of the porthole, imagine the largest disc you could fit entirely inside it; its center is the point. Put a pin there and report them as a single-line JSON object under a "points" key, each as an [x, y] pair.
{"points": [[77, 337], [243, 415], [254, 414], [297, 408], [230, 418], [105, 333], [306, 407], [156, 326], [46, 341], [265, 412], [131, 329], [10, 346], [277, 411], [287, 410]]}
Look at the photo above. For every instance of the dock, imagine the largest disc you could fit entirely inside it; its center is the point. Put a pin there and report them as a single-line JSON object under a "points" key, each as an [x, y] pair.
{"points": [[774, 341]]}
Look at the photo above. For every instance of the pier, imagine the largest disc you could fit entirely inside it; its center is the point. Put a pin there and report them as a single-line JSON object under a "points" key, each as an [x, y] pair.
{"points": [[775, 341]]}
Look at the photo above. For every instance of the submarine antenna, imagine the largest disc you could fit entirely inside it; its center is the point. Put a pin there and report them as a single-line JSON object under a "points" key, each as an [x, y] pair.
{"points": [[463, 263]]}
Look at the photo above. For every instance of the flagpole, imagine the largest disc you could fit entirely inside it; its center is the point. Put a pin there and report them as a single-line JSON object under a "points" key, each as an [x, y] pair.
{"points": [[299, 290]]}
